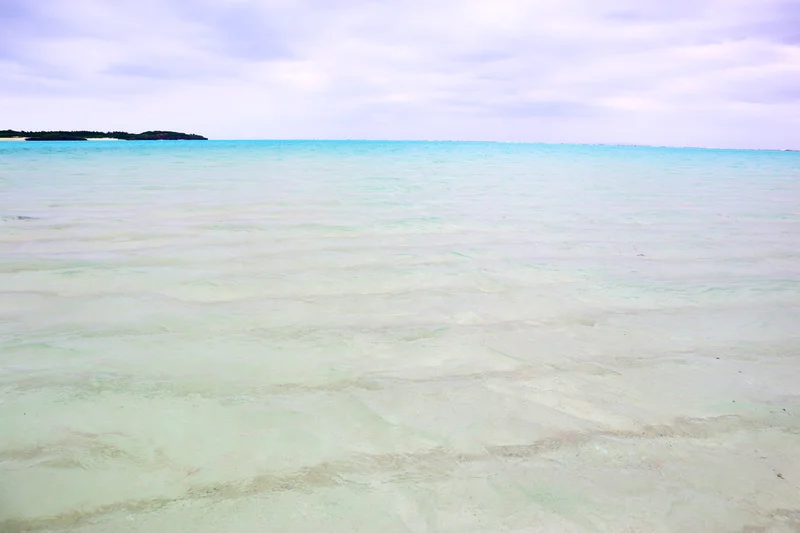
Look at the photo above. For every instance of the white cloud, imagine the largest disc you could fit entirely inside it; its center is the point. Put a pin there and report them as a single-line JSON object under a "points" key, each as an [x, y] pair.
{"points": [[707, 72]]}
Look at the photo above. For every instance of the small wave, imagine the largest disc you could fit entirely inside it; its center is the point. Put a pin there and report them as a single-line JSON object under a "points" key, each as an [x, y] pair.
{"points": [[7, 218]]}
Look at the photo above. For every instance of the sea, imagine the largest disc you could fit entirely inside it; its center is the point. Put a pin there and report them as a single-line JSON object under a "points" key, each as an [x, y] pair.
{"points": [[353, 336]]}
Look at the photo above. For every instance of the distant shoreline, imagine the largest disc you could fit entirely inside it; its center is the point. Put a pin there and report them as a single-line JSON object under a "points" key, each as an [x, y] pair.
{"points": [[83, 135]]}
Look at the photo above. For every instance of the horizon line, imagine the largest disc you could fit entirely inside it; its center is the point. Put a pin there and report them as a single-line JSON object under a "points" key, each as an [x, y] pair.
{"points": [[546, 143], [622, 145]]}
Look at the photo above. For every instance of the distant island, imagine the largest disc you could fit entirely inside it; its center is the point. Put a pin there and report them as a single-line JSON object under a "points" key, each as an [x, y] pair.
{"points": [[86, 135]]}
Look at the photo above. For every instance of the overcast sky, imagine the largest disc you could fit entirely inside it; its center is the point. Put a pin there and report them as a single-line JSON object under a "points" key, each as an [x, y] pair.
{"points": [[666, 72]]}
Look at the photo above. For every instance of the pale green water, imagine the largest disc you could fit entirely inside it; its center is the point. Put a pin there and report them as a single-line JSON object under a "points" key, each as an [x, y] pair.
{"points": [[303, 336]]}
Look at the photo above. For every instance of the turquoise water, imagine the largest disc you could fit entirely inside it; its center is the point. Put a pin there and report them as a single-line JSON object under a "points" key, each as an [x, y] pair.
{"points": [[363, 336]]}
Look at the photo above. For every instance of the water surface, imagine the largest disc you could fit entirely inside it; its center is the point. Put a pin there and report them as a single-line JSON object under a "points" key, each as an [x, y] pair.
{"points": [[369, 336]]}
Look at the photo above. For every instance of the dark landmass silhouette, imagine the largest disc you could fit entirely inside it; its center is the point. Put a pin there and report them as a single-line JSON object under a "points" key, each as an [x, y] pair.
{"points": [[85, 135]]}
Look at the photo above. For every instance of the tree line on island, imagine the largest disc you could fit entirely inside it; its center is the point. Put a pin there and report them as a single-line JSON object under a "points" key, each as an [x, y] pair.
{"points": [[86, 135]]}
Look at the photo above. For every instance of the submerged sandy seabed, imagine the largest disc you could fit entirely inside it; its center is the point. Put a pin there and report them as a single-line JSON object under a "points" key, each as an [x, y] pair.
{"points": [[381, 424], [482, 453]]}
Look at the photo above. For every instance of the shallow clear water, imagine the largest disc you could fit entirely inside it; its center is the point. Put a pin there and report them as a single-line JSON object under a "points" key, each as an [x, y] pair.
{"points": [[369, 336]]}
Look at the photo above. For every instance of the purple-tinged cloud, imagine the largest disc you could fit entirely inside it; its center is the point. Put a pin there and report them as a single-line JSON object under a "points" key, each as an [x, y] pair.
{"points": [[703, 72]]}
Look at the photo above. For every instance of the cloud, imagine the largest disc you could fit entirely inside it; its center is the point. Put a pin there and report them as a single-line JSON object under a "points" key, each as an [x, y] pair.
{"points": [[703, 72]]}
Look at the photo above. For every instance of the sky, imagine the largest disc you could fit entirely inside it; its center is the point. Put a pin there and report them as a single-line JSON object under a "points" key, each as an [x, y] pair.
{"points": [[714, 73]]}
